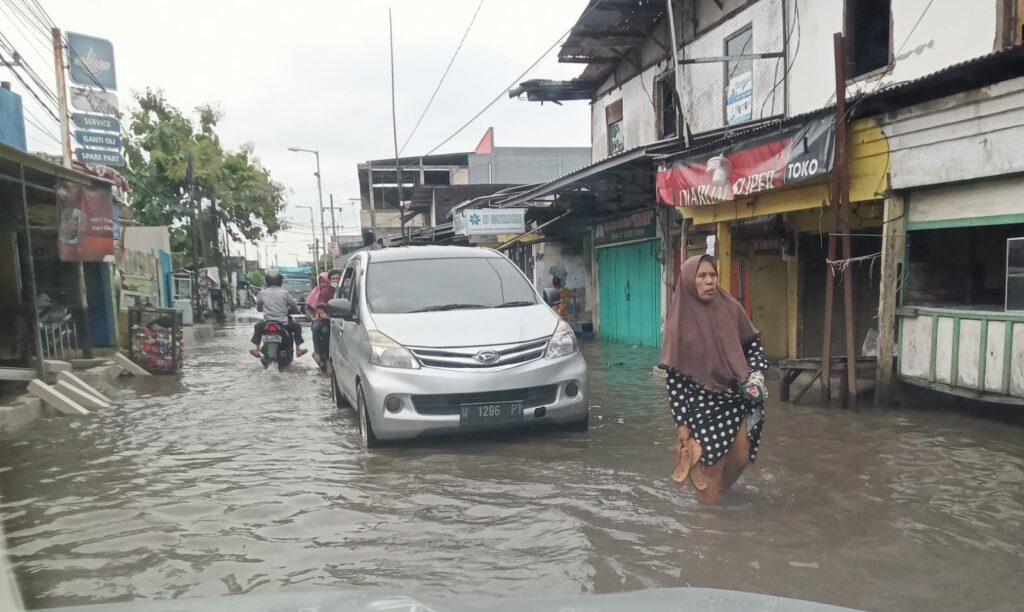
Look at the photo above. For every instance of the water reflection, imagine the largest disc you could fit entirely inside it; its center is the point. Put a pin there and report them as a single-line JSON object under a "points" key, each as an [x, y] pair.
{"points": [[239, 480]]}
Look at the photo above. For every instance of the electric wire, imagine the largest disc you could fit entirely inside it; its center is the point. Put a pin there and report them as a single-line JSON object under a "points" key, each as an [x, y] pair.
{"points": [[443, 76], [515, 81]]}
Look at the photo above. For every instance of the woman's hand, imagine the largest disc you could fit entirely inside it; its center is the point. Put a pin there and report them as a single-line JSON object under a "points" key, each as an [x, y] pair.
{"points": [[682, 434]]}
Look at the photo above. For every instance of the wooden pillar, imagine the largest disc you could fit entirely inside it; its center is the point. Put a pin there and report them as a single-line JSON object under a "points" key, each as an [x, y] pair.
{"points": [[792, 298], [723, 252], [893, 242]]}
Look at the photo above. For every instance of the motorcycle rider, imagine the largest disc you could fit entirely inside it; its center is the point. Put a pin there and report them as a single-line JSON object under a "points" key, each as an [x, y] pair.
{"points": [[276, 304]]}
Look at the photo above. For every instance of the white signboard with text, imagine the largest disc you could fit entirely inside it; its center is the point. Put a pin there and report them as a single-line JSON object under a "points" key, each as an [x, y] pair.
{"points": [[490, 222]]}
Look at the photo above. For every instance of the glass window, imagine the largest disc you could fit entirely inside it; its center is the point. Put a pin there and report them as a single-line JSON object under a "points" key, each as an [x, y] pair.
{"points": [[616, 141], [421, 285], [667, 114], [739, 78], [868, 35], [348, 278], [1015, 274]]}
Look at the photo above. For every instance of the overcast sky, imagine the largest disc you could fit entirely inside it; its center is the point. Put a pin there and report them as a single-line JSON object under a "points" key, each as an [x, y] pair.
{"points": [[315, 75]]}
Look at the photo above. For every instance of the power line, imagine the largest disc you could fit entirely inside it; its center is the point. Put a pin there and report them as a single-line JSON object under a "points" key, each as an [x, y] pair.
{"points": [[892, 66], [6, 44], [29, 89], [40, 12], [439, 83], [517, 79], [799, 32], [32, 25]]}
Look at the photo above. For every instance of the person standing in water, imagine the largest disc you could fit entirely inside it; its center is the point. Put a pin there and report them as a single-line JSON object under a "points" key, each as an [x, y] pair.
{"points": [[715, 362]]}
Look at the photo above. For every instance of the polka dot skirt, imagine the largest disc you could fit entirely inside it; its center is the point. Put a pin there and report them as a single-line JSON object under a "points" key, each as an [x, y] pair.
{"points": [[715, 417]]}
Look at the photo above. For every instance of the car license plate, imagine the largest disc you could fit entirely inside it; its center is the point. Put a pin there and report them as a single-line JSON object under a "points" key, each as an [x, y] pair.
{"points": [[272, 338], [491, 413]]}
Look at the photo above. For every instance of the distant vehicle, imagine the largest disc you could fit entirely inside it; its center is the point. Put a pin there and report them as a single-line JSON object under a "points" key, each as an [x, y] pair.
{"points": [[436, 339], [298, 280]]}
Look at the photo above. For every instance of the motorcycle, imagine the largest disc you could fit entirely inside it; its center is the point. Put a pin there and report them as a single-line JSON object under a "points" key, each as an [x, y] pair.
{"points": [[277, 345]]}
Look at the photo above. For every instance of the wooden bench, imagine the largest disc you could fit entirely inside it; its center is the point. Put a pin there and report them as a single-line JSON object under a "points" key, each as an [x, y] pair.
{"points": [[792, 368]]}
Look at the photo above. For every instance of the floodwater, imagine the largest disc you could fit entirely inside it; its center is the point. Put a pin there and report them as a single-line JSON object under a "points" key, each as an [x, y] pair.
{"points": [[237, 480]]}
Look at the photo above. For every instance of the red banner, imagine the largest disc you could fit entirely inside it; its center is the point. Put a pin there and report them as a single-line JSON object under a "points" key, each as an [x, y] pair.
{"points": [[85, 223], [764, 163]]}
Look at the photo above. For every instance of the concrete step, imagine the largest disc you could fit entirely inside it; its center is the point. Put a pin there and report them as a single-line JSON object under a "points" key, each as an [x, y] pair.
{"points": [[55, 398], [128, 366], [81, 397], [75, 381]]}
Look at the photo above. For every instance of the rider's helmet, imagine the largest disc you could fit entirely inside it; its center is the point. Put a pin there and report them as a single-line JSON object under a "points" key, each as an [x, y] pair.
{"points": [[274, 279]]}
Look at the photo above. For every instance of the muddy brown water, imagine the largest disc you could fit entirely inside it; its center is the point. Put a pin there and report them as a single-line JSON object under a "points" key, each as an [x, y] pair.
{"points": [[236, 480]]}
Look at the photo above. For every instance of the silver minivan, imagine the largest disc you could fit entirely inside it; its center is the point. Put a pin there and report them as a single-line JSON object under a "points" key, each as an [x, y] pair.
{"points": [[436, 339]]}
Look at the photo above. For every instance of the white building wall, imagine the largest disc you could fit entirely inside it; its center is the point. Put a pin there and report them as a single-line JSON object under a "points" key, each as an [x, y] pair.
{"points": [[706, 82], [950, 32], [967, 136], [638, 112]]}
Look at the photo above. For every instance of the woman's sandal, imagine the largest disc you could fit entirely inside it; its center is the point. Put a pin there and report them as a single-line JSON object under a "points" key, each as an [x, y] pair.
{"points": [[688, 456], [698, 478]]}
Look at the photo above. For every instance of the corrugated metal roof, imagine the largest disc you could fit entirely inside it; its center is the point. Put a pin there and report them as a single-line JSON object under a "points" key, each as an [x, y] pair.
{"points": [[1001, 65], [605, 30]]}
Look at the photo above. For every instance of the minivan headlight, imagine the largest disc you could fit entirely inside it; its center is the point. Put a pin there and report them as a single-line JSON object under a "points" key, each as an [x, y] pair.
{"points": [[563, 342], [387, 353]]}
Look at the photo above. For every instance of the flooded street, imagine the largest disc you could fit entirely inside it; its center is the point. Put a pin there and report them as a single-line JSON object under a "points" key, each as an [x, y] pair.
{"points": [[237, 480]]}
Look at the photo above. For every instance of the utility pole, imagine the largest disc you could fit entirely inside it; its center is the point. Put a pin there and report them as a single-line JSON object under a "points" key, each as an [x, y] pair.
{"points": [[320, 193], [683, 130], [369, 182], [334, 224], [316, 250], [394, 129], [840, 217], [65, 140], [192, 205]]}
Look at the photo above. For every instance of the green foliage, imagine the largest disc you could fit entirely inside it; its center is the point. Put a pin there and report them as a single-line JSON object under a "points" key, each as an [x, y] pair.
{"points": [[247, 201], [256, 277]]}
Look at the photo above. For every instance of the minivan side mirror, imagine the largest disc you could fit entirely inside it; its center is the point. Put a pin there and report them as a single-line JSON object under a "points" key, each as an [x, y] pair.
{"points": [[339, 308], [552, 297]]}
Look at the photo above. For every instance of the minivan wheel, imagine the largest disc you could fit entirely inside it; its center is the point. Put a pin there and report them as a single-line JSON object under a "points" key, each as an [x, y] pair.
{"points": [[365, 426], [336, 394]]}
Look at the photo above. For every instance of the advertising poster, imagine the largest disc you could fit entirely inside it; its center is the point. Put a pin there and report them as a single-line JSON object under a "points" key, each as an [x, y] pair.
{"points": [[85, 222]]}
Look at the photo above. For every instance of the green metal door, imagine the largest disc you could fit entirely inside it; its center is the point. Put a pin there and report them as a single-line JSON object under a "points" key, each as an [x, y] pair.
{"points": [[630, 291]]}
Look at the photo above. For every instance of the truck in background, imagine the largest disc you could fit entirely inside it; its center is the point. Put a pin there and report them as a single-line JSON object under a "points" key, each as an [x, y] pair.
{"points": [[298, 280]]}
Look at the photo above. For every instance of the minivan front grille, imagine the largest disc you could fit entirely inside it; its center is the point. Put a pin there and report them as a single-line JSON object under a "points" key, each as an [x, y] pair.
{"points": [[532, 397], [478, 357]]}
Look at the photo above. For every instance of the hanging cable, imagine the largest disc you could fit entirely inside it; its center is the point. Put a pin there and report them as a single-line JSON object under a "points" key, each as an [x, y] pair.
{"points": [[29, 89], [892, 66], [515, 81], [439, 83]]}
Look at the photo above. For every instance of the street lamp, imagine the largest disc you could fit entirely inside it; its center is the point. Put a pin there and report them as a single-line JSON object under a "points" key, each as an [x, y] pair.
{"points": [[316, 251], [320, 191]]}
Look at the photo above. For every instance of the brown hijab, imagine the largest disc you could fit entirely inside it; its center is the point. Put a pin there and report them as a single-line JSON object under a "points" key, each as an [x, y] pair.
{"points": [[703, 340]]}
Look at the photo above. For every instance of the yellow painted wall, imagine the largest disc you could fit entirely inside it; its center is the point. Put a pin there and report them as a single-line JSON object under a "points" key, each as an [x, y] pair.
{"points": [[769, 308]]}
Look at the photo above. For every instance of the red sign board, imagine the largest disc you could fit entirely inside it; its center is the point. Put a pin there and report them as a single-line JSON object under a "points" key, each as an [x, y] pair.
{"points": [[770, 161], [85, 222]]}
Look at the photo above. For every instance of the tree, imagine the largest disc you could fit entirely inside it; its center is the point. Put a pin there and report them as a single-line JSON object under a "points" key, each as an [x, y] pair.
{"points": [[256, 277], [233, 189]]}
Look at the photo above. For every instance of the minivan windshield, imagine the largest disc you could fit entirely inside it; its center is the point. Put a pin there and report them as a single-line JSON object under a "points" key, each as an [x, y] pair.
{"points": [[424, 285]]}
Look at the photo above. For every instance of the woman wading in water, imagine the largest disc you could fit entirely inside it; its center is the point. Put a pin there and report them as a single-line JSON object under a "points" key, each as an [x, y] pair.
{"points": [[714, 360]]}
